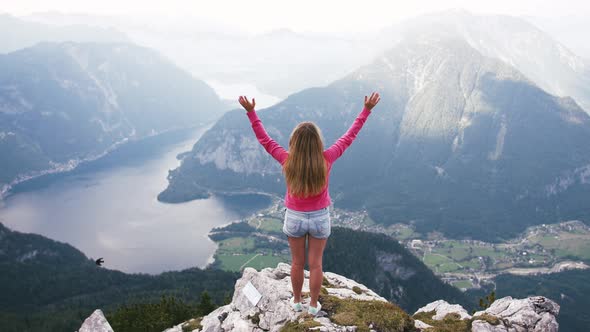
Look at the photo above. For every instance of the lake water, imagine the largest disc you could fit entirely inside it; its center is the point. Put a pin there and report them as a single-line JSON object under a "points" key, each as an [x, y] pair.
{"points": [[108, 208]]}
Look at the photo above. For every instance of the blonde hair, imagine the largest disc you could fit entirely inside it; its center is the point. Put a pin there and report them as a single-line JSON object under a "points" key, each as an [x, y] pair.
{"points": [[306, 170]]}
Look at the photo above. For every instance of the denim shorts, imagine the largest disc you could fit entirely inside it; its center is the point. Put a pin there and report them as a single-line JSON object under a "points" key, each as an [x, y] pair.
{"points": [[315, 223]]}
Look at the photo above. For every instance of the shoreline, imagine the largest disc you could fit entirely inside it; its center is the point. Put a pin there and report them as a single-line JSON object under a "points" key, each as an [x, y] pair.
{"points": [[74, 164]]}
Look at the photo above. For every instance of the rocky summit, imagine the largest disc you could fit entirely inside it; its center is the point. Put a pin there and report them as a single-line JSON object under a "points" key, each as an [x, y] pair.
{"points": [[535, 313], [350, 306], [345, 303], [261, 303]]}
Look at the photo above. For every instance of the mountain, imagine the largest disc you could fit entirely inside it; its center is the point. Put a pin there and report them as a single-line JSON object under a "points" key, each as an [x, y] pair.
{"points": [[460, 143], [16, 33], [515, 41], [51, 286], [65, 102]]}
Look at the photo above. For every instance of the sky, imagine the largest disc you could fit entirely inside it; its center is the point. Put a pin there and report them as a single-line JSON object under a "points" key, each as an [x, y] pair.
{"points": [[298, 15]]}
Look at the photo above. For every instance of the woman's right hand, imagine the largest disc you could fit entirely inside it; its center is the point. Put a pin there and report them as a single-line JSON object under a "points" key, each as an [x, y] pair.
{"points": [[246, 104], [370, 102]]}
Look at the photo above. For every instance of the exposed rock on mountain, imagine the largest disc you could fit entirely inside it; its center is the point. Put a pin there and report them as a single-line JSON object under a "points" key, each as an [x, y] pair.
{"points": [[273, 311], [504, 315], [349, 306], [96, 323]]}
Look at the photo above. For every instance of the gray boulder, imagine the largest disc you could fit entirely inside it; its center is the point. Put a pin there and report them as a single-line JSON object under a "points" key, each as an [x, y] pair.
{"points": [[96, 323], [535, 314], [442, 308]]}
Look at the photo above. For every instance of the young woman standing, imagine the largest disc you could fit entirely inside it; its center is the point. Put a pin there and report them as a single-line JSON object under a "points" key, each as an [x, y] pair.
{"points": [[306, 167]]}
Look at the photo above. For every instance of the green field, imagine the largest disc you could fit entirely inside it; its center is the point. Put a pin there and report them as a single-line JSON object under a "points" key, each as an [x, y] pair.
{"points": [[462, 284], [263, 261], [566, 244], [233, 262], [237, 262], [403, 232], [268, 224], [236, 245], [540, 246]]}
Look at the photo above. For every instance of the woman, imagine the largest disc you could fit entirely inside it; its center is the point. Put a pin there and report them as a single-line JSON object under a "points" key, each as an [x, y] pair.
{"points": [[306, 167]]}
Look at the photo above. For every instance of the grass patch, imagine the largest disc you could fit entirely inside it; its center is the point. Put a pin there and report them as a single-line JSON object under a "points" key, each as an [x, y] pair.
{"points": [[233, 262], [462, 284], [381, 316], [357, 290], [271, 225], [448, 267], [236, 244], [300, 326], [192, 325], [436, 259], [263, 261], [237, 262], [451, 323], [492, 320]]}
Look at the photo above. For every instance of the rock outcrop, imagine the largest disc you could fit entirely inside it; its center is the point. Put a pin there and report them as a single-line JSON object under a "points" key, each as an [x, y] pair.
{"points": [[533, 314], [273, 311], [261, 303], [96, 323]]}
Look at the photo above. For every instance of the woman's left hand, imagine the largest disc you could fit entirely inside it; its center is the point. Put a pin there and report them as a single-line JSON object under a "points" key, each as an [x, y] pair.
{"points": [[249, 107]]}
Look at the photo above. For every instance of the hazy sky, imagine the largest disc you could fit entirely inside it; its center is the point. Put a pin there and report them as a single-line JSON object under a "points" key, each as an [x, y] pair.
{"points": [[299, 15]]}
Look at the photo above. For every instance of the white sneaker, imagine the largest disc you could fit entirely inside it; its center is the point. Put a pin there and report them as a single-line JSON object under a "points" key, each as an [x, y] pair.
{"points": [[295, 306], [314, 310]]}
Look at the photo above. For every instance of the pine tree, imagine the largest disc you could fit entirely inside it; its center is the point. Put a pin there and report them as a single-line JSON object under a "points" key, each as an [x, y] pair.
{"points": [[206, 305]]}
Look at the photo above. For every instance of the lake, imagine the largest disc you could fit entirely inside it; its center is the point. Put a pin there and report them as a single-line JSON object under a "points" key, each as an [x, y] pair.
{"points": [[108, 208]]}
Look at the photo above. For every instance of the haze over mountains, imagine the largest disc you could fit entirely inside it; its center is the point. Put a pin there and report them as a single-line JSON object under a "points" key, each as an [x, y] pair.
{"points": [[16, 33], [544, 60], [64, 102], [282, 61]]}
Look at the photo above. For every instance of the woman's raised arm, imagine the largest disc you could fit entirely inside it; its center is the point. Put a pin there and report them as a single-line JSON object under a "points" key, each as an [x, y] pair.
{"points": [[337, 149], [272, 147]]}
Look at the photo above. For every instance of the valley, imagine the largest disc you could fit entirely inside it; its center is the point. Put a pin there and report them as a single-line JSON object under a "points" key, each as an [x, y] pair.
{"points": [[258, 241]]}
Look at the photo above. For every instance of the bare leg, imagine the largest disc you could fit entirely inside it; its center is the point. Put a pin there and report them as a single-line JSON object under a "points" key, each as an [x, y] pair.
{"points": [[315, 254], [297, 245]]}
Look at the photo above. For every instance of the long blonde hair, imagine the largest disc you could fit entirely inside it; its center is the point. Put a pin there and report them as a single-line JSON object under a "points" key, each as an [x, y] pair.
{"points": [[306, 170]]}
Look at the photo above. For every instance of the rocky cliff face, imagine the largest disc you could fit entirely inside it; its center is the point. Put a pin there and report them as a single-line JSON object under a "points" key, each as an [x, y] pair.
{"points": [[350, 306]]}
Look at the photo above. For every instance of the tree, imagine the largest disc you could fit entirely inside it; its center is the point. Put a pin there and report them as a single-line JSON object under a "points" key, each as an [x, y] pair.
{"points": [[206, 305]]}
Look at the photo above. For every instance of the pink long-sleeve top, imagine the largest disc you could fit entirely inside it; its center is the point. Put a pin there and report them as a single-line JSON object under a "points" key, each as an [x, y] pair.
{"points": [[334, 152]]}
